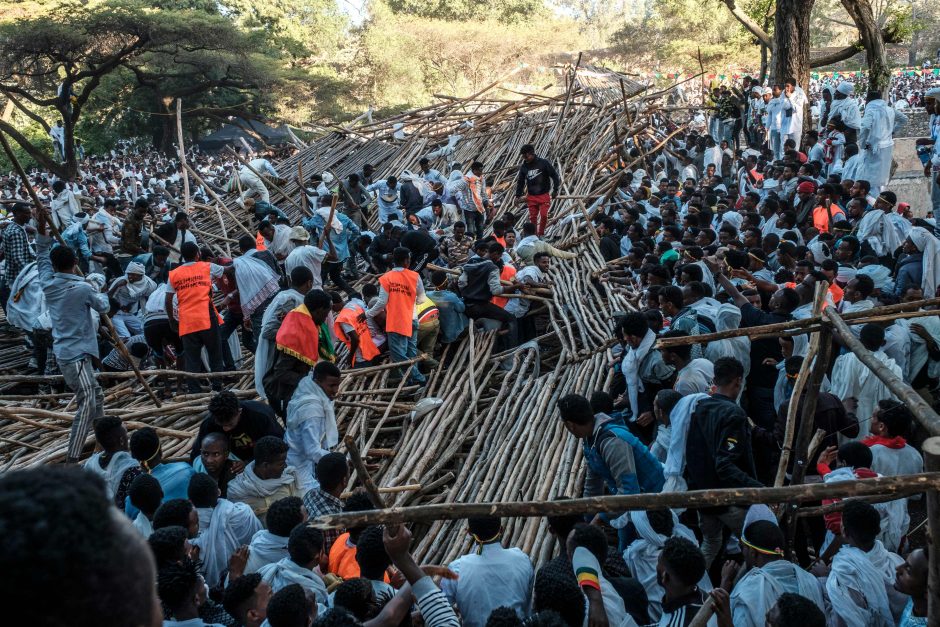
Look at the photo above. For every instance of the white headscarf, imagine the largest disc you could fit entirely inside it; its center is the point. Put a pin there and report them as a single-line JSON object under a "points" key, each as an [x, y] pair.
{"points": [[930, 247], [228, 526], [324, 212]]}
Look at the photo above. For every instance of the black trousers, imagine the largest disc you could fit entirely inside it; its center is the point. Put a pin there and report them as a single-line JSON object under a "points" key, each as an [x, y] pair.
{"points": [[334, 270], [193, 343], [489, 310]]}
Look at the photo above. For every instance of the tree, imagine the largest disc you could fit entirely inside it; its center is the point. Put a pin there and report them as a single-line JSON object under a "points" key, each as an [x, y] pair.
{"points": [[55, 57], [506, 11], [790, 41]]}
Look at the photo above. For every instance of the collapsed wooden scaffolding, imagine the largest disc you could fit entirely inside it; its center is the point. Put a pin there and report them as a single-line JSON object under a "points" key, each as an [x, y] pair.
{"points": [[496, 437]]}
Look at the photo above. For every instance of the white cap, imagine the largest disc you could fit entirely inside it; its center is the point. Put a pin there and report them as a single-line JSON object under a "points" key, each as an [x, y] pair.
{"points": [[768, 91]]}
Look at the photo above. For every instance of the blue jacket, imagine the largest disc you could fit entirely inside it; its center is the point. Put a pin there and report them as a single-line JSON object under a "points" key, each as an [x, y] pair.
{"points": [[341, 242], [450, 313], [70, 301], [617, 459], [910, 274]]}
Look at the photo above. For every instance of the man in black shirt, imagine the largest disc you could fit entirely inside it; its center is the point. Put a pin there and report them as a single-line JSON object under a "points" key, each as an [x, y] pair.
{"points": [[610, 240], [718, 453], [537, 178], [423, 248], [245, 422]]}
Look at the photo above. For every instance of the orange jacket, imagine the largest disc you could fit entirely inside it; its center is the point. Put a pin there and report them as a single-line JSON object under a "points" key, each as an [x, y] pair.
{"points": [[355, 316], [402, 289], [193, 285], [505, 274]]}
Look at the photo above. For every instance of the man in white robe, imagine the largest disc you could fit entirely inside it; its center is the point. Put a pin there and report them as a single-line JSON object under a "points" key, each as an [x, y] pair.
{"points": [[793, 107], [270, 545], [301, 566], [308, 255], [267, 479], [223, 526], [846, 108], [311, 422], [861, 573], [768, 576], [853, 379], [876, 141], [641, 557]]}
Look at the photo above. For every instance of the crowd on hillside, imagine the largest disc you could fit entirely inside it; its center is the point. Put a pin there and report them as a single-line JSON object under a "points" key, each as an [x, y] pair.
{"points": [[735, 224]]}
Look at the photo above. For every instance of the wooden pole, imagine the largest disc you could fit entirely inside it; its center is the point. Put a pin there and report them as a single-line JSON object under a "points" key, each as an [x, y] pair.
{"points": [[856, 317], [182, 151], [899, 485], [106, 376], [219, 201], [259, 175], [329, 221], [371, 489], [43, 216], [931, 451], [924, 413]]}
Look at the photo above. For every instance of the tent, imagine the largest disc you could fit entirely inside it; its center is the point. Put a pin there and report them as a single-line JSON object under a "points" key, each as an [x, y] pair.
{"points": [[231, 134]]}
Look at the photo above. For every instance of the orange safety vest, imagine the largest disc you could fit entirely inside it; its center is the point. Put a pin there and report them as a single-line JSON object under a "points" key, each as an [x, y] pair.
{"points": [[355, 316], [821, 217], [259, 242], [402, 289], [501, 240], [193, 285], [505, 274]]}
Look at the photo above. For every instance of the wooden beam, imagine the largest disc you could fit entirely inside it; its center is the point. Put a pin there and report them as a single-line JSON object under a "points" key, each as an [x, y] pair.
{"points": [[900, 485], [931, 451], [924, 413]]}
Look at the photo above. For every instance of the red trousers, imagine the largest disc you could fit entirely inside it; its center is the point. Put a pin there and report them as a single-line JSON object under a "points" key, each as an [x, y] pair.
{"points": [[538, 211]]}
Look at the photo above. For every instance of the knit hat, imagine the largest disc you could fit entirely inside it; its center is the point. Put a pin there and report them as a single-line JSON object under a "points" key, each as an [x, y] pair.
{"points": [[806, 187]]}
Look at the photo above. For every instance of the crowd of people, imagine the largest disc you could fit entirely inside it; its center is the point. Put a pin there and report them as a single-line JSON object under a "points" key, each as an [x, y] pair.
{"points": [[734, 224]]}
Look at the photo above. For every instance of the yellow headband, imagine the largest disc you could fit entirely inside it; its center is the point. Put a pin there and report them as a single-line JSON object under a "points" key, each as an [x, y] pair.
{"points": [[777, 551]]}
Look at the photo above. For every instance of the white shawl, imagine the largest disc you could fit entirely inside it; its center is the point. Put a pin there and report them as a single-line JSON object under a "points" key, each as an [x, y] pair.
{"points": [[630, 366], [256, 282], [248, 485], [309, 404], [119, 463], [853, 576], [265, 548], [286, 572], [680, 418], [643, 554], [759, 589], [728, 317], [877, 230], [336, 225], [930, 247], [222, 529], [264, 356]]}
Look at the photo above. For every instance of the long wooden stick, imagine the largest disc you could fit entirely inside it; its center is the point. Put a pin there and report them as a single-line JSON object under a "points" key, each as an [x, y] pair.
{"points": [[931, 450], [371, 489], [924, 413], [43, 215], [57, 378], [898, 485], [329, 221], [276, 187], [182, 151], [856, 317]]}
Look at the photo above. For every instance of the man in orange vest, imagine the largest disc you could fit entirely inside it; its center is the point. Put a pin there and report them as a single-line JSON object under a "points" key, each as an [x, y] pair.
{"points": [[399, 290], [826, 212], [352, 328], [198, 325]]}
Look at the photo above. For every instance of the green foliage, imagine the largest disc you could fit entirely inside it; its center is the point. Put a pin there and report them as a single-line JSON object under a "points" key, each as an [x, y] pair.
{"points": [[505, 11]]}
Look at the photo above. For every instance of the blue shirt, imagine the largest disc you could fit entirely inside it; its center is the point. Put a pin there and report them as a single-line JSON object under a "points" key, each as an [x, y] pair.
{"points": [[386, 208], [340, 241], [76, 239], [70, 301], [450, 313]]}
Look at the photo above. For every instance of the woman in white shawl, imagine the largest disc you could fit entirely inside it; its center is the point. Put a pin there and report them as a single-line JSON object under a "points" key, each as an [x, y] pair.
{"points": [[679, 420], [131, 292], [311, 428], [728, 317], [643, 554], [856, 591]]}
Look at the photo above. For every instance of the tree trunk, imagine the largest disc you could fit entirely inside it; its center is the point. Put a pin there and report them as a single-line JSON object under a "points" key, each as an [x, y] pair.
{"points": [[166, 141], [879, 78], [791, 42]]}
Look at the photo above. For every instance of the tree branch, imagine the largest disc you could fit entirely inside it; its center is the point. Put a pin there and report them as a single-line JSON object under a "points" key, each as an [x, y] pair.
{"points": [[37, 155], [34, 117], [749, 24]]}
